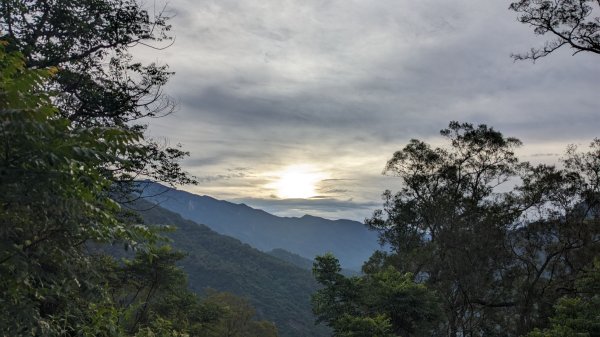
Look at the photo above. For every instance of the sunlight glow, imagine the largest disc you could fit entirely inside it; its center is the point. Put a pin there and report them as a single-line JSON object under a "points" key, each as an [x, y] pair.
{"points": [[297, 182]]}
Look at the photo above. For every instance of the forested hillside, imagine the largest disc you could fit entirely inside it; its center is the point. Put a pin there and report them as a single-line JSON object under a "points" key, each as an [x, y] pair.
{"points": [[279, 291], [307, 236]]}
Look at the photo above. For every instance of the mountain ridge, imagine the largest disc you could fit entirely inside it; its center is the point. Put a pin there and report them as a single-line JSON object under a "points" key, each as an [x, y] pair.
{"points": [[350, 241]]}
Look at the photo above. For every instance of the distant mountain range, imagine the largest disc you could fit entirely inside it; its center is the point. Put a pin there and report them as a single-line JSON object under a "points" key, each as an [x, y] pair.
{"points": [[280, 291], [308, 236]]}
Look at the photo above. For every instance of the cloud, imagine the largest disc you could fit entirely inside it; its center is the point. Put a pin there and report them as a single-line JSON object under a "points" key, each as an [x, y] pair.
{"points": [[344, 83], [324, 207], [220, 177]]}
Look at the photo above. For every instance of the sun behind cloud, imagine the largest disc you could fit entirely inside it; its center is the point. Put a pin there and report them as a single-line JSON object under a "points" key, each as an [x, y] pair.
{"points": [[297, 182]]}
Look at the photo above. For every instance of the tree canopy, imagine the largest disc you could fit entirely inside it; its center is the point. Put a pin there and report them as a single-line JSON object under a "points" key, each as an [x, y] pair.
{"points": [[100, 83], [385, 303], [497, 256], [571, 23], [70, 96], [579, 315]]}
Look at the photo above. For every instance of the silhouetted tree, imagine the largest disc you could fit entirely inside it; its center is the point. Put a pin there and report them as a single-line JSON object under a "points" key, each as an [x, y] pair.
{"points": [[497, 257], [571, 22]]}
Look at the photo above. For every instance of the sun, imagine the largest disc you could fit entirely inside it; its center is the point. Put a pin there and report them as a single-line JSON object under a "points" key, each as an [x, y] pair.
{"points": [[297, 182]]}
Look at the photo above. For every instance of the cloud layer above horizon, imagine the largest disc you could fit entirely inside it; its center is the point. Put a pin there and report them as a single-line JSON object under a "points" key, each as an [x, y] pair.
{"points": [[343, 84]]}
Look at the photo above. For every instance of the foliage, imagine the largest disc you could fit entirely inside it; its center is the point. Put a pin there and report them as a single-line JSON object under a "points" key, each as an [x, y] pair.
{"points": [[385, 303], [237, 318], [99, 83], [580, 315], [498, 258], [148, 288], [571, 22], [89, 40], [53, 200], [153, 298], [365, 326]]}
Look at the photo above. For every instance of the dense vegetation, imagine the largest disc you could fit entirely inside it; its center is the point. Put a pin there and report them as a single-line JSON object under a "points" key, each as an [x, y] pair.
{"points": [[501, 261], [100, 84], [279, 291]]}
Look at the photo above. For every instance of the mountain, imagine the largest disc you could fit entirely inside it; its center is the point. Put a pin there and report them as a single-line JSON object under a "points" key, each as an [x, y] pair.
{"points": [[278, 290], [308, 236]]}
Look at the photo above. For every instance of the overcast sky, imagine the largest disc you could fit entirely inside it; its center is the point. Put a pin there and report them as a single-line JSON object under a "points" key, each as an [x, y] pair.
{"points": [[339, 85]]}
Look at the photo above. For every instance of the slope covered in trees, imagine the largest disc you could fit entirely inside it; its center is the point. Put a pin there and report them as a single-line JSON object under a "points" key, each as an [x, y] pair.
{"points": [[279, 291], [292, 258]]}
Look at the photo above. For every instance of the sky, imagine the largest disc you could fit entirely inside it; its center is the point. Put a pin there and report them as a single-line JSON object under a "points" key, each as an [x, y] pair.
{"points": [[317, 95]]}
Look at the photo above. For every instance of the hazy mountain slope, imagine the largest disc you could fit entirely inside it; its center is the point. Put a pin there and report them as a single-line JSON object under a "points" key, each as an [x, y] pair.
{"points": [[292, 258], [350, 241], [279, 291], [303, 262]]}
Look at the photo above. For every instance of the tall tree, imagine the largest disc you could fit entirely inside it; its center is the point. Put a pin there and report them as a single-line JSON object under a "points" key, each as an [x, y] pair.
{"points": [[491, 252], [53, 200], [100, 83], [54, 204], [571, 22], [55, 181]]}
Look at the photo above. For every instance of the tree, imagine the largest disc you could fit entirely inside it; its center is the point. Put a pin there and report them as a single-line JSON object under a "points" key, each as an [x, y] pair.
{"points": [[90, 40], [571, 22], [55, 208], [53, 200], [237, 319], [151, 295], [381, 304], [490, 252], [100, 83], [577, 316], [70, 96]]}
